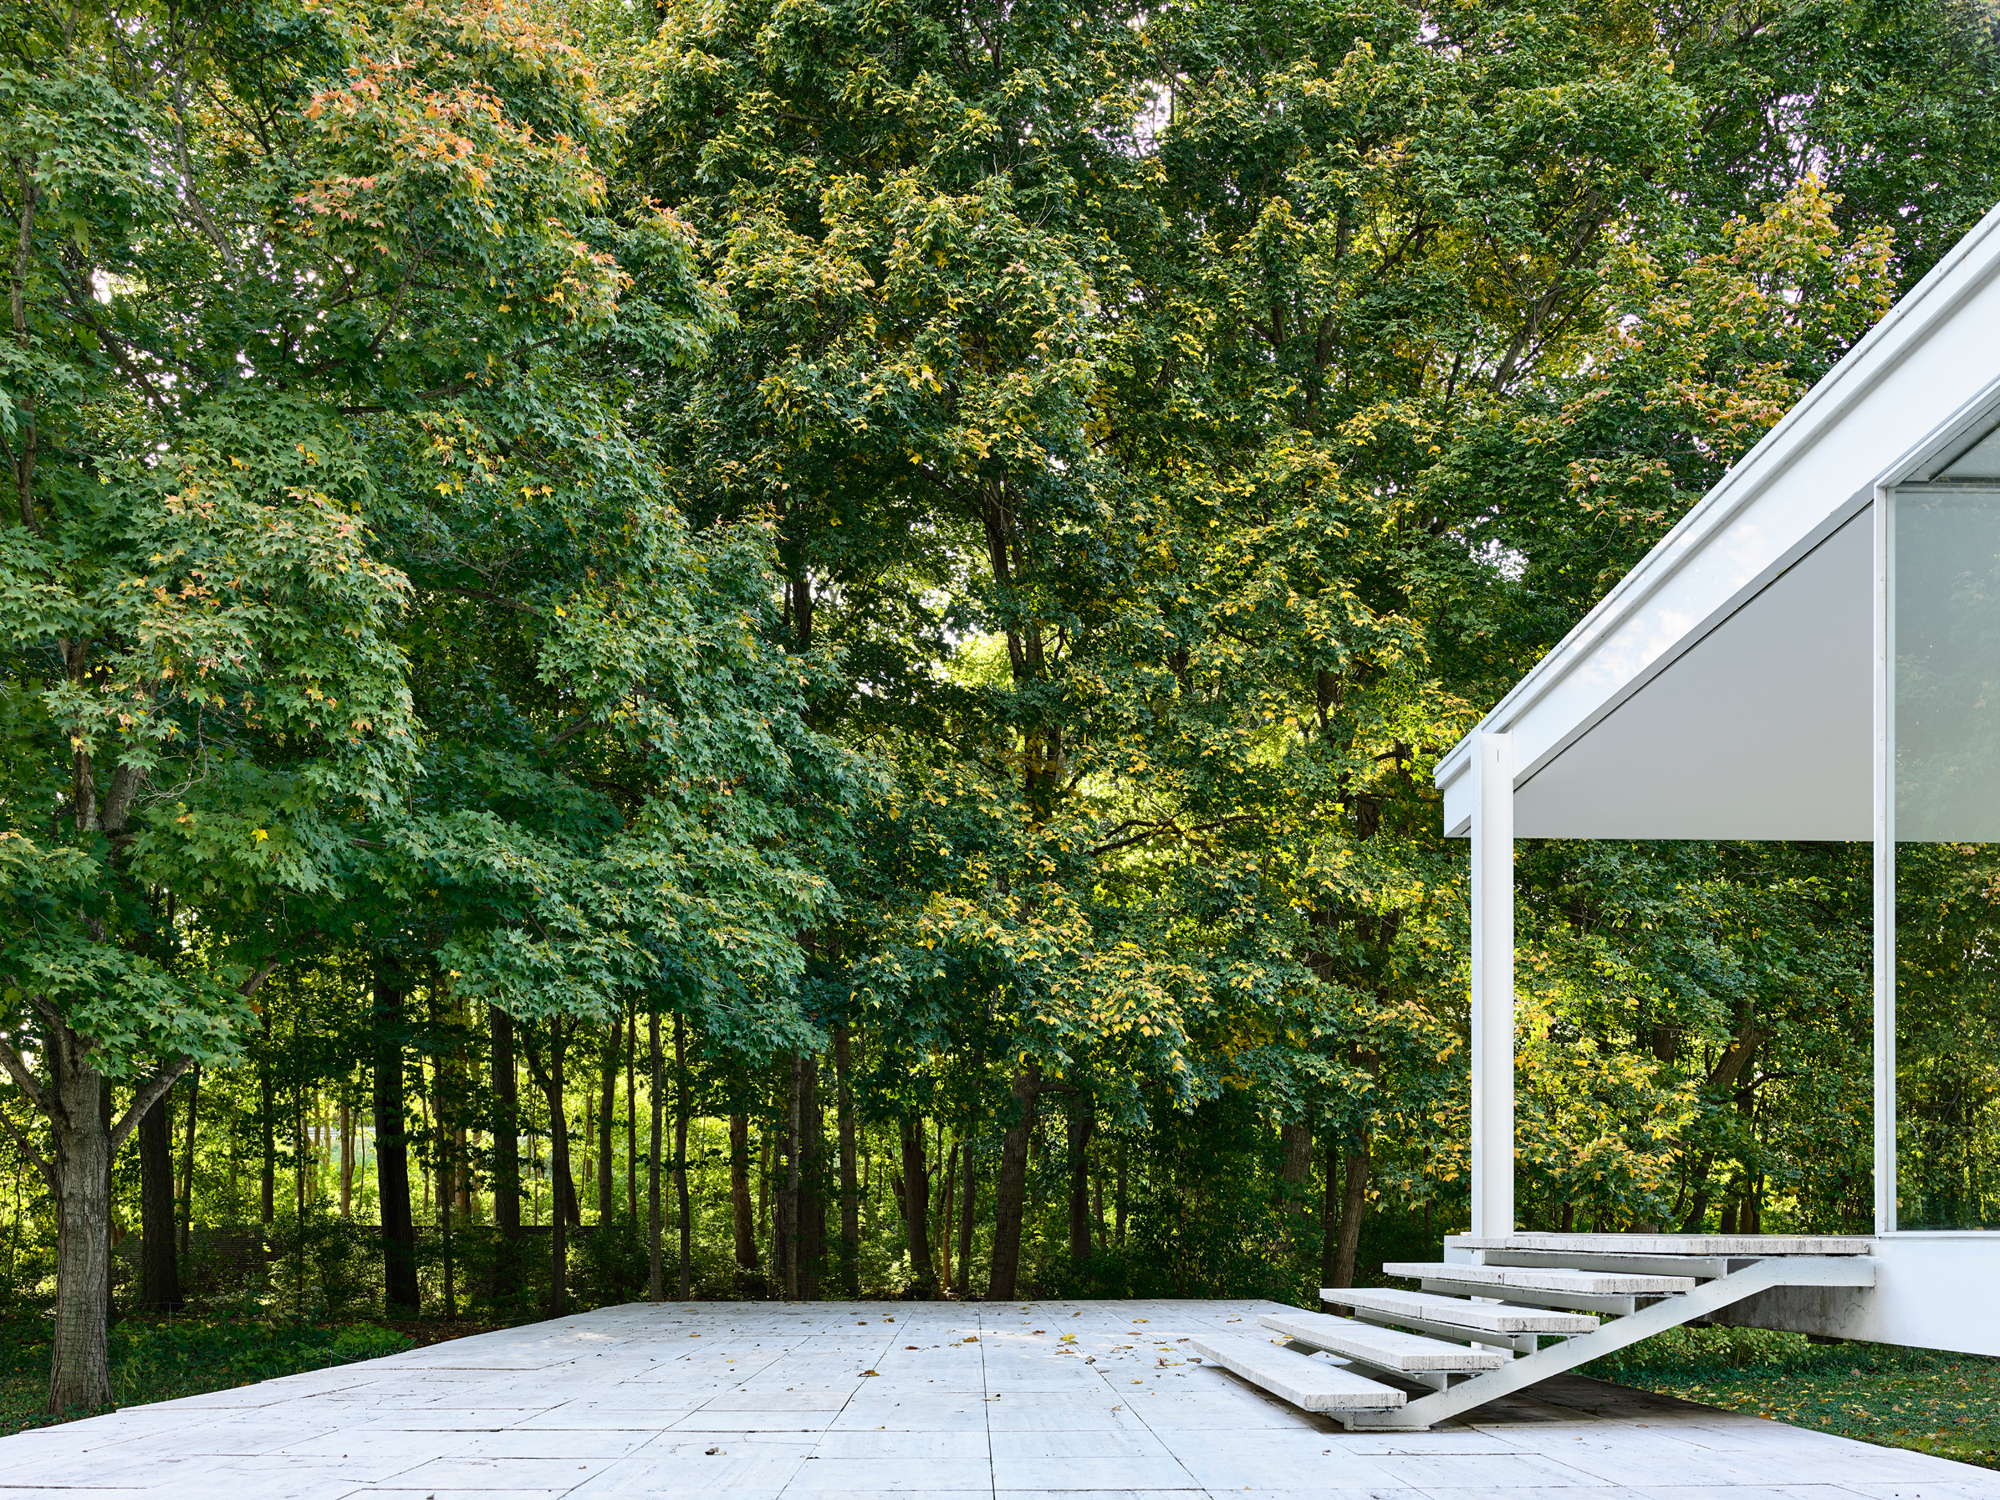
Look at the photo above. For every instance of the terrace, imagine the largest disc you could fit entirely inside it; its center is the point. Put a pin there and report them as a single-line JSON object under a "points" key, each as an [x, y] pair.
{"points": [[1090, 1400]]}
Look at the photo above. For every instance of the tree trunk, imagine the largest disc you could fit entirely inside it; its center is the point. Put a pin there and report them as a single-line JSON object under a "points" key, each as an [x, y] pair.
{"points": [[159, 1268], [850, 1197], [392, 1154], [80, 1367], [1295, 1172], [267, 1124], [559, 1221], [1697, 1214], [506, 1154], [1119, 1201], [346, 1159], [187, 1162], [655, 1288], [764, 1193], [632, 1115], [811, 1205], [948, 1190], [1010, 1191], [607, 1125], [968, 1206], [565, 1175], [917, 1207], [784, 1215], [739, 1195], [1082, 1120], [1343, 1228], [682, 1108]]}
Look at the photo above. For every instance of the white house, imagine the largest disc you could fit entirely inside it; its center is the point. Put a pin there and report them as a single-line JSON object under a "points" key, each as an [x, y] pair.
{"points": [[1813, 653]]}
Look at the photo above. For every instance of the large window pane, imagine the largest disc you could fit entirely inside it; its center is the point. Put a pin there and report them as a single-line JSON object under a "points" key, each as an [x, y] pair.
{"points": [[1945, 707]]}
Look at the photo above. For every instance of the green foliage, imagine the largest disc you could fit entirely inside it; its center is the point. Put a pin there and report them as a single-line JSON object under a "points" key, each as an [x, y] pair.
{"points": [[167, 1360]]}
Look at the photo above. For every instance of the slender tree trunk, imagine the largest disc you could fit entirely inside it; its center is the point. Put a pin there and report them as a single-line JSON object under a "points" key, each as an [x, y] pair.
{"points": [[1697, 1214], [392, 1154], [948, 1188], [267, 1124], [1329, 1219], [682, 1109], [111, 1229], [346, 1158], [850, 1197], [1010, 1191], [968, 1206], [764, 1197], [810, 1206], [506, 1154], [1119, 1203], [607, 1125], [588, 1136], [560, 1220], [785, 1225], [159, 1270], [1082, 1120], [655, 1287], [80, 1368], [631, 1115], [1295, 1171], [1343, 1224], [917, 1207], [187, 1162], [739, 1195], [565, 1175]]}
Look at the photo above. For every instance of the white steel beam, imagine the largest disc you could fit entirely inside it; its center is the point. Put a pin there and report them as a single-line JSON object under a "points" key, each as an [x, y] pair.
{"points": [[1493, 985]]}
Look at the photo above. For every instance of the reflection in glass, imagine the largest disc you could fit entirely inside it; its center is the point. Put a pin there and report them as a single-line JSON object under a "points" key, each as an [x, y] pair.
{"points": [[1948, 1035], [1945, 707]]}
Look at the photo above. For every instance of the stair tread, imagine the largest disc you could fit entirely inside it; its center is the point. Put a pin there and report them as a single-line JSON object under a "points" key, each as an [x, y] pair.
{"points": [[1545, 1279], [1672, 1244], [1485, 1316], [1390, 1347], [1309, 1383]]}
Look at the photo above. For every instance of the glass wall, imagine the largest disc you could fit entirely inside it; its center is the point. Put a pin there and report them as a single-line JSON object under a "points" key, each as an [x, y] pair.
{"points": [[1944, 703]]}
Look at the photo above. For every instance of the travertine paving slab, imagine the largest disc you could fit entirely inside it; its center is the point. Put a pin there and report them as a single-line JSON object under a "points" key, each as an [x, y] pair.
{"points": [[1015, 1401]]}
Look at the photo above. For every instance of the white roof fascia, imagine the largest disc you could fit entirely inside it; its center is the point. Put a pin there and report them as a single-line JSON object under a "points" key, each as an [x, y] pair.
{"points": [[1851, 432]]}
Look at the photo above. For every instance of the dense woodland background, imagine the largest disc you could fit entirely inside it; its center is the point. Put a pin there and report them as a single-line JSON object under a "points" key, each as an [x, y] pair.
{"points": [[858, 598]]}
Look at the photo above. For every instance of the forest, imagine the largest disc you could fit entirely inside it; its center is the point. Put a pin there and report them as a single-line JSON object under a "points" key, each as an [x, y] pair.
{"points": [[794, 648]]}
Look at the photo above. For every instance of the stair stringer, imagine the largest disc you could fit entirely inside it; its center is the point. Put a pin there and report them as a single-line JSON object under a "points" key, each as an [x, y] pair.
{"points": [[1669, 1312]]}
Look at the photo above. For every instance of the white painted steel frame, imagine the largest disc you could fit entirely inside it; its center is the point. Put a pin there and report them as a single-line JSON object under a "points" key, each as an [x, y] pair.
{"points": [[1884, 1008], [1493, 984], [1887, 496], [1899, 414]]}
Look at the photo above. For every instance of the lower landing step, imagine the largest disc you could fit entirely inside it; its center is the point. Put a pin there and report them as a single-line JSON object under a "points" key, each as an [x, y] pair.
{"points": [[1308, 1381]]}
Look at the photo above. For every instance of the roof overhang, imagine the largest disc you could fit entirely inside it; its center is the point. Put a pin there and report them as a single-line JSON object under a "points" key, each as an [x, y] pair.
{"points": [[1724, 688]]}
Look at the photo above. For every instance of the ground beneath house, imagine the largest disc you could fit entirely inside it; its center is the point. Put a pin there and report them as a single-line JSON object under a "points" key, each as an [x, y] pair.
{"points": [[1091, 1400]]}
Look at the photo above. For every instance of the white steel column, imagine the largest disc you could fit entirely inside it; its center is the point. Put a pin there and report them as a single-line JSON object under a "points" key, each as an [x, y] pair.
{"points": [[1885, 861], [1493, 984]]}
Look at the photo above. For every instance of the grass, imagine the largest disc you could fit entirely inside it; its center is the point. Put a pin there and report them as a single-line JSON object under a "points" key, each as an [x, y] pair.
{"points": [[161, 1359], [1925, 1399]]}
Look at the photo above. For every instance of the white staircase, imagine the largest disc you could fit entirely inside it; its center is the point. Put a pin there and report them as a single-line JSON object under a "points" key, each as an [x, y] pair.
{"points": [[1474, 1331]]}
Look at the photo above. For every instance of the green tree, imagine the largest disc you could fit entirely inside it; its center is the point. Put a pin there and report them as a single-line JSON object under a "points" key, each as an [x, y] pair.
{"points": [[236, 235]]}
